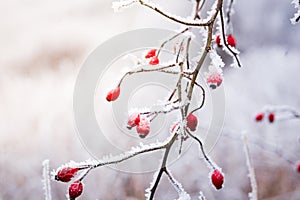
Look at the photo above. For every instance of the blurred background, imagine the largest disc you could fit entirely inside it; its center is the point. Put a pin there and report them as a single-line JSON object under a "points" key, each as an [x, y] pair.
{"points": [[44, 44]]}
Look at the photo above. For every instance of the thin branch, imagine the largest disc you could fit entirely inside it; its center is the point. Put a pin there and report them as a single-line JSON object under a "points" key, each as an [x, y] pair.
{"points": [[187, 53], [128, 155], [199, 65], [182, 21], [224, 39], [170, 39], [253, 195], [46, 180], [162, 168], [174, 182], [179, 50], [202, 148], [145, 70], [203, 100], [183, 116], [201, 6], [164, 111], [197, 6]]}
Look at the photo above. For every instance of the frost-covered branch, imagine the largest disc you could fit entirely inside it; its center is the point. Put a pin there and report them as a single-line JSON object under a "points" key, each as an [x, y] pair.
{"points": [[207, 159], [186, 74], [151, 191], [46, 180], [234, 52], [253, 194], [181, 20]]}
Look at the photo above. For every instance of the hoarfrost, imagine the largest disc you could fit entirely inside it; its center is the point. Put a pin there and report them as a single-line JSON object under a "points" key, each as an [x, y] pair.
{"points": [[119, 5], [46, 180]]}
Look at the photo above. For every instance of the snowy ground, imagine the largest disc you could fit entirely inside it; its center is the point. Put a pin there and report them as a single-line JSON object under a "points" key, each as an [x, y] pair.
{"points": [[43, 45]]}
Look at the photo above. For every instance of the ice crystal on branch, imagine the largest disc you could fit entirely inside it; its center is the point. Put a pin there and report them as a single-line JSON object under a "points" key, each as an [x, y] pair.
{"points": [[119, 5], [216, 60], [46, 180], [296, 17]]}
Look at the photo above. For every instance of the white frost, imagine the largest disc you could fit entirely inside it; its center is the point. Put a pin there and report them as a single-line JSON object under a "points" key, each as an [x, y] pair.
{"points": [[119, 5], [184, 196], [216, 60], [46, 180]]}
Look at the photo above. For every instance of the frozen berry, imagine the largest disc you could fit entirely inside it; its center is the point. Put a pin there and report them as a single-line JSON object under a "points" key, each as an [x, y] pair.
{"points": [[143, 128], [75, 189], [217, 179], [134, 119], [66, 174], [151, 53], [113, 94], [259, 117], [192, 122], [218, 40], [154, 61], [298, 167], [271, 117], [231, 40], [214, 80]]}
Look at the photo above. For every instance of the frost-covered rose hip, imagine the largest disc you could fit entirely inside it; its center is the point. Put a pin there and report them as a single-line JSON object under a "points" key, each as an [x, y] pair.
{"points": [[151, 53], [271, 117], [217, 179], [298, 167], [259, 117], [75, 189], [192, 122], [218, 40], [214, 80], [113, 94], [231, 40], [154, 60], [66, 174], [143, 128], [133, 120]]}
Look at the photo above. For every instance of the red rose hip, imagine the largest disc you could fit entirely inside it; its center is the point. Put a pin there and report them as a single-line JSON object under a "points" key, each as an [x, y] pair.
{"points": [[113, 94], [151, 53], [217, 179], [154, 60], [218, 40], [133, 120], [75, 189], [143, 128], [259, 117], [66, 174], [192, 122], [271, 117], [298, 167], [231, 40]]}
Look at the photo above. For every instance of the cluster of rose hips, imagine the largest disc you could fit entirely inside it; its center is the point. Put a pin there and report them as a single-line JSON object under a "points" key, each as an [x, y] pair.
{"points": [[67, 174], [260, 116], [142, 124], [271, 118], [153, 57], [115, 93], [230, 40]]}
